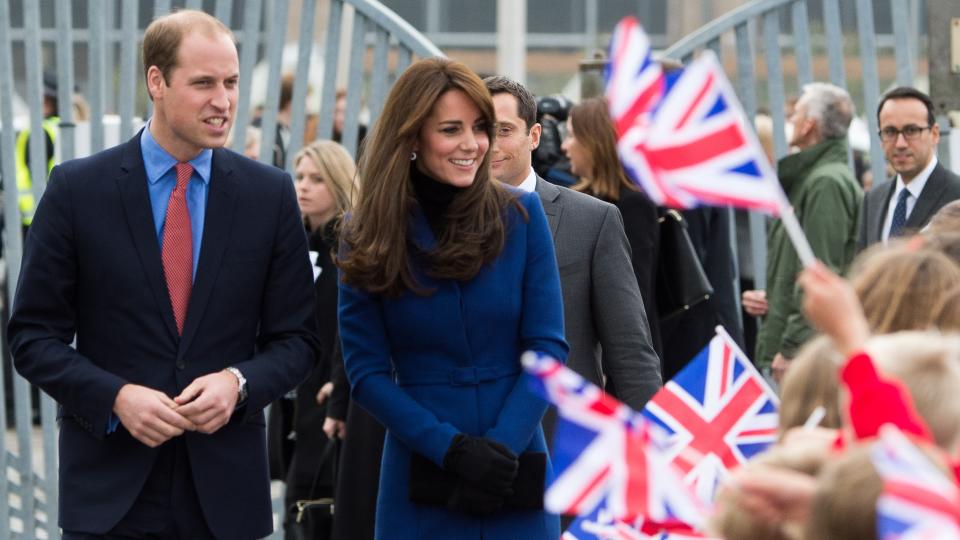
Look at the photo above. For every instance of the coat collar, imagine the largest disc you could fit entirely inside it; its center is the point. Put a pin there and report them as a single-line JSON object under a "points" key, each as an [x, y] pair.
{"points": [[793, 169], [552, 206]]}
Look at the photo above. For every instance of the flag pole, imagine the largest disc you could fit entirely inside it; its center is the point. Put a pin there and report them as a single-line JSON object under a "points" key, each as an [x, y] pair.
{"points": [[722, 332], [795, 232]]}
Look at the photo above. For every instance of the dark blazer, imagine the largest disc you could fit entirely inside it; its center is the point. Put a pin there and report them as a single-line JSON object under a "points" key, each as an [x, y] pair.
{"points": [[942, 187], [308, 417], [641, 223], [92, 269], [601, 300], [685, 334]]}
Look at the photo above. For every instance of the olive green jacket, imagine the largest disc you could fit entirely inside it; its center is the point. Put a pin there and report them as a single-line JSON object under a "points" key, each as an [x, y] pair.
{"points": [[826, 200]]}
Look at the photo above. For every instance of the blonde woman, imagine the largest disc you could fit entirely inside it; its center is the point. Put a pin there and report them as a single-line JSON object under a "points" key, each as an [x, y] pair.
{"points": [[325, 179]]}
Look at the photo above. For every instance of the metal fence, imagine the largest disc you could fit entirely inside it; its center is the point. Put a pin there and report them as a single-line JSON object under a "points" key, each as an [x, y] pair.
{"points": [[367, 44], [755, 35]]}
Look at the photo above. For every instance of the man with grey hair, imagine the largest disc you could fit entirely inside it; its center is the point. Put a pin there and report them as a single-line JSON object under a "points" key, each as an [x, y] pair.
{"points": [[826, 200]]}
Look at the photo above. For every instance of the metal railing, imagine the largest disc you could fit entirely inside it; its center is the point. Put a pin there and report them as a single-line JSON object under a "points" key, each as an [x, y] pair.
{"points": [[740, 27], [380, 46]]}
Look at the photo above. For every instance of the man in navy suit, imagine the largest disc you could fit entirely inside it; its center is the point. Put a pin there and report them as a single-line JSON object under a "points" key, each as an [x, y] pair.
{"points": [[181, 269]]}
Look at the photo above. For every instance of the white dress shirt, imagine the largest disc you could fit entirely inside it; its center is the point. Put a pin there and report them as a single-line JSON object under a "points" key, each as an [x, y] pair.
{"points": [[915, 187], [529, 184]]}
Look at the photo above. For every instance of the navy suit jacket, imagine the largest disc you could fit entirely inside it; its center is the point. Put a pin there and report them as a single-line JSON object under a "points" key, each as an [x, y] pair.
{"points": [[92, 269]]}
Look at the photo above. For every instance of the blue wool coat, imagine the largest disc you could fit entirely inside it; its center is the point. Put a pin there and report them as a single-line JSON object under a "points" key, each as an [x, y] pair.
{"points": [[429, 367]]}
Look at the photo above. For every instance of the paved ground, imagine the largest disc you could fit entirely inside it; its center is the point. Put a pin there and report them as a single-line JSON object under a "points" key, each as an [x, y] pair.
{"points": [[36, 438]]}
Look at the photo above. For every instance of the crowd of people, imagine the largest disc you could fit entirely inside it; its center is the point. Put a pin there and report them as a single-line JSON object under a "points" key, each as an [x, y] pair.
{"points": [[382, 305]]}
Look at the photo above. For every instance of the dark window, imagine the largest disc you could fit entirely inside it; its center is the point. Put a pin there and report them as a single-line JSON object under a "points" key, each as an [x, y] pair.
{"points": [[412, 11], [549, 16], [467, 16]]}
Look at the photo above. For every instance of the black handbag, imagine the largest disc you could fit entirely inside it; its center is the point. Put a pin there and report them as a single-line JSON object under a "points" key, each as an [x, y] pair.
{"points": [[681, 281], [316, 513]]}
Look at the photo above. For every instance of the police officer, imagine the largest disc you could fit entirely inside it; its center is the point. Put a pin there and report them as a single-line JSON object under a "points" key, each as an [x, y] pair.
{"points": [[51, 123]]}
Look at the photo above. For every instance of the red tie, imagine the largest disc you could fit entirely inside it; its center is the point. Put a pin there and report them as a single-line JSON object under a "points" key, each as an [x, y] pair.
{"points": [[178, 247]]}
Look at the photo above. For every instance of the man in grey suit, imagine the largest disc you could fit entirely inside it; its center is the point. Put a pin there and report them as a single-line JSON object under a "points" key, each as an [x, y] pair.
{"points": [[606, 325], [909, 134]]}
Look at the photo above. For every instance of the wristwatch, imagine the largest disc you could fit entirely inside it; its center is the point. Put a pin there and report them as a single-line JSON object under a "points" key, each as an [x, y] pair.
{"points": [[242, 383]]}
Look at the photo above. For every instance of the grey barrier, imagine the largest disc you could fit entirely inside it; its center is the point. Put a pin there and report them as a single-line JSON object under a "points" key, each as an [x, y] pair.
{"points": [[740, 27], [381, 46]]}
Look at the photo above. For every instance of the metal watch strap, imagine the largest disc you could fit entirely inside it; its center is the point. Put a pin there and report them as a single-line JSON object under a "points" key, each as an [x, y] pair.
{"points": [[242, 383]]}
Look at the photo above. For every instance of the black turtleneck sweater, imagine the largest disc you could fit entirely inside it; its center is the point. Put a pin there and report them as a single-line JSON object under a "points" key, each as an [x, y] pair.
{"points": [[434, 198]]}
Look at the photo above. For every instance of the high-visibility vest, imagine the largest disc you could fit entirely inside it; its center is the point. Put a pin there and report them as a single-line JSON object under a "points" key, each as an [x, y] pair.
{"points": [[25, 197]]}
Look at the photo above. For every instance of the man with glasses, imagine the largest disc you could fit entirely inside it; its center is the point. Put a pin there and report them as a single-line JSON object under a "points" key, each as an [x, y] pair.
{"points": [[909, 135]]}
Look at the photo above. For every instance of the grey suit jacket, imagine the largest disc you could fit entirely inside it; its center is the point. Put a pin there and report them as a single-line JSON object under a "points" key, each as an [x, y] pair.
{"points": [[603, 309], [942, 187]]}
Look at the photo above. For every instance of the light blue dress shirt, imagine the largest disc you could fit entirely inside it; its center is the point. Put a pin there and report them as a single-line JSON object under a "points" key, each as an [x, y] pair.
{"points": [[162, 178]]}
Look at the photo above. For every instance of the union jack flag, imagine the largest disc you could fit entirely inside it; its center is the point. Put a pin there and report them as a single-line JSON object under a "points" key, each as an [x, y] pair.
{"points": [[918, 501], [718, 412], [607, 458], [600, 525], [683, 137]]}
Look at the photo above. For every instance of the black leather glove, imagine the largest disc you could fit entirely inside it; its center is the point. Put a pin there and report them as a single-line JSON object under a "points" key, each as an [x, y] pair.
{"points": [[486, 464], [474, 500]]}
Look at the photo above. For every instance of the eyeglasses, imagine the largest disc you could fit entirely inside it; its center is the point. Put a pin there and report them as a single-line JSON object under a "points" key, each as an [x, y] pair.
{"points": [[911, 132]]}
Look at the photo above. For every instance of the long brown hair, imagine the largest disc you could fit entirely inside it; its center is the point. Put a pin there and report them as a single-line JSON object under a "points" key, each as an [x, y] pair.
{"points": [[594, 131], [377, 246]]}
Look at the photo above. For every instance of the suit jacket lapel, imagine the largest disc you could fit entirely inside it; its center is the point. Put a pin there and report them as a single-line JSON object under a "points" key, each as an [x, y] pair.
{"points": [[216, 229], [549, 195], [923, 210], [878, 217], [132, 183]]}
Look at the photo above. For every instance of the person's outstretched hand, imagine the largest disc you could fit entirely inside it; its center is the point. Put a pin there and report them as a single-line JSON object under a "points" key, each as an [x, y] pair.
{"points": [[831, 304], [773, 494]]}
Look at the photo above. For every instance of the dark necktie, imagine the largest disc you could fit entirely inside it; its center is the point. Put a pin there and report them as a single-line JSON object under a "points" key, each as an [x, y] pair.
{"points": [[178, 247], [899, 214]]}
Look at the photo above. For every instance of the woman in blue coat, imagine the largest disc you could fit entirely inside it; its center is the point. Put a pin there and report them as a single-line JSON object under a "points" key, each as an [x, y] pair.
{"points": [[446, 279]]}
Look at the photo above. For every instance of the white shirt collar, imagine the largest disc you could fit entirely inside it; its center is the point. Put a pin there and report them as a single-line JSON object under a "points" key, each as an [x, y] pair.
{"points": [[529, 184], [915, 187]]}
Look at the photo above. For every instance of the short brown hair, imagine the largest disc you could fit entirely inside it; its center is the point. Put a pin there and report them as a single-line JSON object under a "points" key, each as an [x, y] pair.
{"points": [[731, 520], [526, 104], [845, 505], [161, 40], [946, 220], [946, 316], [286, 90], [810, 382], [928, 364], [899, 285], [595, 132]]}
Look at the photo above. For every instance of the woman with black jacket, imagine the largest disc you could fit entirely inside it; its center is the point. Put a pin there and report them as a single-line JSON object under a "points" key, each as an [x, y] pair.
{"points": [[591, 146], [325, 178]]}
